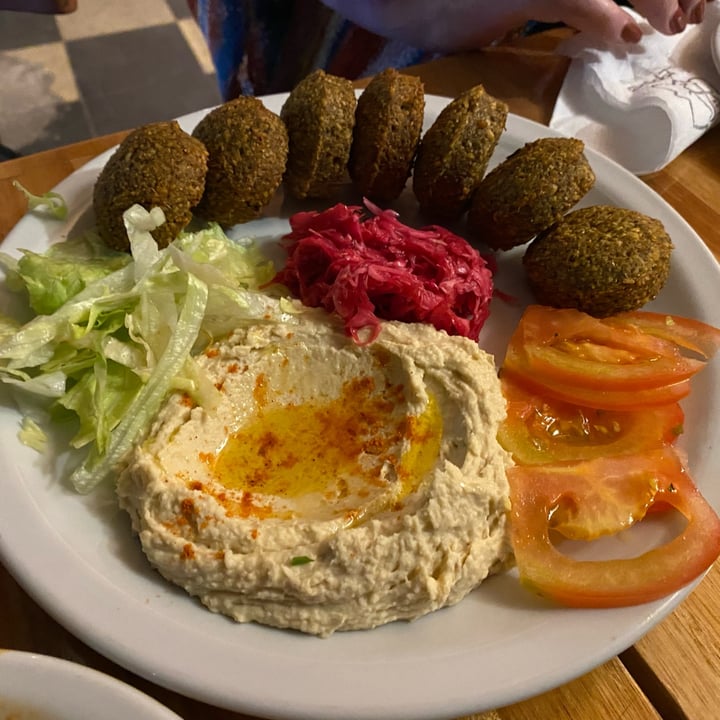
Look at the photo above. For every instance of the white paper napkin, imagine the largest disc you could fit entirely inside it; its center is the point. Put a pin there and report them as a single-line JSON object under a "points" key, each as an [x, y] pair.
{"points": [[642, 105]]}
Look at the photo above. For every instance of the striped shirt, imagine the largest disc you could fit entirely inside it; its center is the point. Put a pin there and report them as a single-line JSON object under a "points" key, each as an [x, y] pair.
{"points": [[265, 46]]}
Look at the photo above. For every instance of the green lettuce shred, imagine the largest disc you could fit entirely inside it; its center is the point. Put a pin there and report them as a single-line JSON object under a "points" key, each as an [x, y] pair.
{"points": [[111, 335], [51, 203], [33, 435]]}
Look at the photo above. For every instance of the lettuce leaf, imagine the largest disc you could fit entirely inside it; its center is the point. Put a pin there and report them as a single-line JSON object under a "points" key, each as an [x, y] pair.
{"points": [[113, 333], [50, 203], [65, 269]]}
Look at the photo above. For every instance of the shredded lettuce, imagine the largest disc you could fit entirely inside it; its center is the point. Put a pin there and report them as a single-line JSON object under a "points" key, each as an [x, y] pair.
{"points": [[50, 203], [52, 278], [113, 334], [8, 326], [146, 403], [33, 435]]}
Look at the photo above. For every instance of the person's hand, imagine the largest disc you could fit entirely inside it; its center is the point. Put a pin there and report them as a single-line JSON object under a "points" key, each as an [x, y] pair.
{"points": [[468, 24], [606, 20]]}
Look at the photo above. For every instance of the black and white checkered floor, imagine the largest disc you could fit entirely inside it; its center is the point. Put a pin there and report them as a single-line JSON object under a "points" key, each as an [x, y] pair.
{"points": [[108, 66]]}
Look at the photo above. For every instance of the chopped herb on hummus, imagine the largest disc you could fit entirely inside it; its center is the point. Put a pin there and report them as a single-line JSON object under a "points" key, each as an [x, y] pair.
{"points": [[381, 459]]}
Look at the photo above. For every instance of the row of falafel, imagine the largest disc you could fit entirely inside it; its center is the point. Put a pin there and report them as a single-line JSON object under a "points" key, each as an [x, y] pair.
{"points": [[602, 260]]}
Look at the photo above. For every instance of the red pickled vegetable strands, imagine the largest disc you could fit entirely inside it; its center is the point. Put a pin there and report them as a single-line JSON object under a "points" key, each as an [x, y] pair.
{"points": [[365, 268]]}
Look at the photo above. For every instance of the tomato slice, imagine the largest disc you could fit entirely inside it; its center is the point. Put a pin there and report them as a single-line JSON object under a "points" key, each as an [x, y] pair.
{"points": [[570, 347], [599, 398], [588, 499], [693, 335], [539, 430]]}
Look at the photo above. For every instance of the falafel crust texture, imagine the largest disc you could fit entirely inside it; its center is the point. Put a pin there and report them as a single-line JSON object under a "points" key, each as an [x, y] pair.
{"points": [[247, 148], [388, 124], [529, 191], [319, 115], [601, 259], [156, 165], [454, 153]]}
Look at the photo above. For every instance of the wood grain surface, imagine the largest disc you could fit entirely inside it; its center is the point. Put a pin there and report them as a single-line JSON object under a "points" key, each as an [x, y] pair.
{"points": [[674, 671]]}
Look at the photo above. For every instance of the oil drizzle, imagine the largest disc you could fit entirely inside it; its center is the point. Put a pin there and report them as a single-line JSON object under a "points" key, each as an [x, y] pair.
{"points": [[352, 453]]}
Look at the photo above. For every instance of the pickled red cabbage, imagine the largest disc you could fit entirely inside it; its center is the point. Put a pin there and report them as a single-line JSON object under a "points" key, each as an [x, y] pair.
{"points": [[365, 267]]}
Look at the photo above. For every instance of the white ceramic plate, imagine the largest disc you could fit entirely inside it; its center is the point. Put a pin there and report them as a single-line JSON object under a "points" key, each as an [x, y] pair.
{"points": [[39, 687], [76, 555]]}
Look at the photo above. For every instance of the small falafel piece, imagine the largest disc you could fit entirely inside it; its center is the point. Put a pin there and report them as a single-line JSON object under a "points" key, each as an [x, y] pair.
{"points": [[453, 154], [156, 165], [248, 147], [529, 191], [601, 259], [319, 115], [388, 125]]}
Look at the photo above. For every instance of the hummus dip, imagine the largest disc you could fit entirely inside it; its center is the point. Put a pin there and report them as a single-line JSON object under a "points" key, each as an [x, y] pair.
{"points": [[334, 486]]}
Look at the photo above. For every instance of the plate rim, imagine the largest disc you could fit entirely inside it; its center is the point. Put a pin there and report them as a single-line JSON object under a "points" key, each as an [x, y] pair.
{"points": [[184, 681], [60, 678]]}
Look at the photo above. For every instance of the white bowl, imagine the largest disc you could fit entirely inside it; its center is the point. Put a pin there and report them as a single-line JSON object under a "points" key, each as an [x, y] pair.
{"points": [[39, 687]]}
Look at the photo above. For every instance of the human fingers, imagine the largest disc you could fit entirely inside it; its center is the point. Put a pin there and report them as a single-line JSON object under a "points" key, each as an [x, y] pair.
{"points": [[694, 11], [697, 13], [671, 16], [607, 21], [667, 16], [601, 19]]}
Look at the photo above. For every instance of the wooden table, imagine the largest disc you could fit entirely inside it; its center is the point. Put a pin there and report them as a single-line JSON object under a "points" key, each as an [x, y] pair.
{"points": [[674, 671]]}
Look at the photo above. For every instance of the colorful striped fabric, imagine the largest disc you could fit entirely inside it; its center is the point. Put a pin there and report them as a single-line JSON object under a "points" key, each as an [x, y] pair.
{"points": [[265, 46]]}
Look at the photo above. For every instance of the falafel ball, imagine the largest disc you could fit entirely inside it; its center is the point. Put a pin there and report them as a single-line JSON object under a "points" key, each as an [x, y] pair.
{"points": [[248, 147], [156, 165], [319, 115], [529, 191], [602, 260], [388, 124], [453, 154]]}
